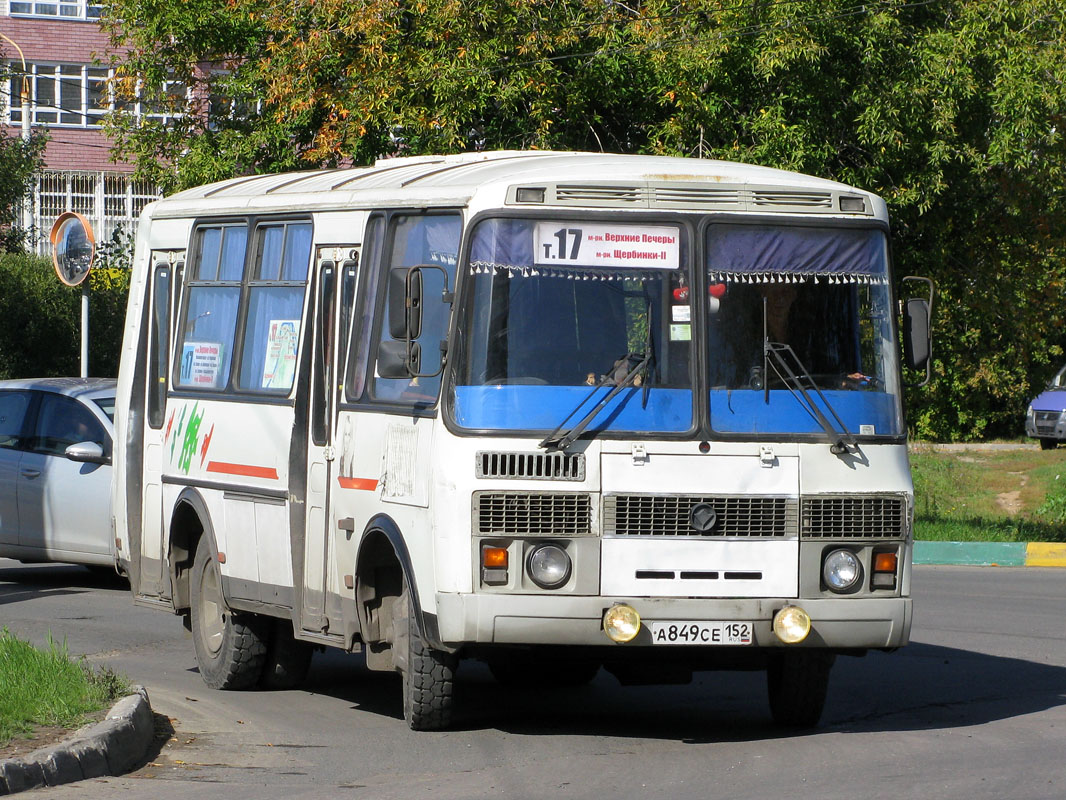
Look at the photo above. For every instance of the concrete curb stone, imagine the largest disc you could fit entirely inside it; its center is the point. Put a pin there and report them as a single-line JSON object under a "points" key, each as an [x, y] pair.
{"points": [[109, 747]]}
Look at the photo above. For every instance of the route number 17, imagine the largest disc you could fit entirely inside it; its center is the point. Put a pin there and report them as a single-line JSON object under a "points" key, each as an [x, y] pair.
{"points": [[561, 235]]}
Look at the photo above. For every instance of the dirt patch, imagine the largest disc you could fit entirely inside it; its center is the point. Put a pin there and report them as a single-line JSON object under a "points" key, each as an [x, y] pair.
{"points": [[1011, 502], [43, 736]]}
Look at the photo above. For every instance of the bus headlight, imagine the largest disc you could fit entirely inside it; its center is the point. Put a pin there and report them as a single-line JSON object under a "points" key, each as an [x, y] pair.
{"points": [[792, 624], [621, 623], [841, 570], [549, 566]]}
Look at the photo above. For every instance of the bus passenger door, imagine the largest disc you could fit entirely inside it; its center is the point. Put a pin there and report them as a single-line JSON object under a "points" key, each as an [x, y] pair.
{"points": [[318, 547], [151, 560]]}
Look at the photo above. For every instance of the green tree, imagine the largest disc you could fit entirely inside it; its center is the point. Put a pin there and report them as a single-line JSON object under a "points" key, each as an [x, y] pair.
{"points": [[20, 159], [952, 110]]}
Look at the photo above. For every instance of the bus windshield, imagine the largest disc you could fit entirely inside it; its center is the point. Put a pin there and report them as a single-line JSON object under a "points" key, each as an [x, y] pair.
{"points": [[560, 312], [824, 293]]}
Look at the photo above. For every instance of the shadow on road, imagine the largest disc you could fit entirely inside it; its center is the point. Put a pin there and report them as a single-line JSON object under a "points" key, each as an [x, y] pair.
{"points": [[921, 687], [23, 582]]}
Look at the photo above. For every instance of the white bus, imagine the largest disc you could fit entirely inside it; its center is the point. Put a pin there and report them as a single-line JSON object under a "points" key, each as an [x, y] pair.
{"points": [[553, 411]]}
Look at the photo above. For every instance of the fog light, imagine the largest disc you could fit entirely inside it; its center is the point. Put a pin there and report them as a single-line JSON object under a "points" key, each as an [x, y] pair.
{"points": [[792, 624], [841, 570], [621, 623], [549, 566]]}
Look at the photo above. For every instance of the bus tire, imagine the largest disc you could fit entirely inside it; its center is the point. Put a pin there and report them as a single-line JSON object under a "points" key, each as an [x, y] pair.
{"points": [[230, 646], [798, 682], [428, 674], [1049, 444], [287, 659]]}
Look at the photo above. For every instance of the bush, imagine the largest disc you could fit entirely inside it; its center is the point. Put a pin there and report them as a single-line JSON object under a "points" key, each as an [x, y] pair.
{"points": [[40, 319]]}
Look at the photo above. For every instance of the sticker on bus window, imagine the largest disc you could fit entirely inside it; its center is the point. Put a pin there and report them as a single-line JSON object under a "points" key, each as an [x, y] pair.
{"points": [[201, 364], [680, 332], [562, 244], [279, 369]]}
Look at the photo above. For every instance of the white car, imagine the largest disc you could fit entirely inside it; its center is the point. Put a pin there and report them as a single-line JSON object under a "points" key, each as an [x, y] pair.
{"points": [[55, 470]]}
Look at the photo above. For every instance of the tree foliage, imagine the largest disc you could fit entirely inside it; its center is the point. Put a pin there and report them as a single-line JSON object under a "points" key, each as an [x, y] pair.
{"points": [[952, 110], [41, 334], [19, 160]]}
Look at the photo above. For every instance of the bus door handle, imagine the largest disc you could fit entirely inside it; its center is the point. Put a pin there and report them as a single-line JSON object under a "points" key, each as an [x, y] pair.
{"points": [[31, 473]]}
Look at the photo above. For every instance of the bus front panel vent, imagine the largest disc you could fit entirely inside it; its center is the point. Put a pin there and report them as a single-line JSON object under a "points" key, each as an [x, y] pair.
{"points": [[532, 514], [676, 515], [530, 466], [851, 517]]}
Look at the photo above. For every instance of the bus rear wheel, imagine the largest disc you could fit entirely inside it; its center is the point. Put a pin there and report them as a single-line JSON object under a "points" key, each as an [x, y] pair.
{"points": [[230, 646], [428, 674], [798, 682]]}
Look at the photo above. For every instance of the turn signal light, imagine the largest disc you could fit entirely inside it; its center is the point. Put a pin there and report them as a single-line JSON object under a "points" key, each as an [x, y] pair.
{"points": [[885, 562], [494, 557]]}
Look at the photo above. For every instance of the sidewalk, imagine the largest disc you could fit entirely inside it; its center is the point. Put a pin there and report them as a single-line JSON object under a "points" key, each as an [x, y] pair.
{"points": [[991, 554]]}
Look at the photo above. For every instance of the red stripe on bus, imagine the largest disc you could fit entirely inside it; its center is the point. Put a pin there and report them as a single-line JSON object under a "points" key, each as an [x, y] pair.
{"points": [[365, 484], [245, 470]]}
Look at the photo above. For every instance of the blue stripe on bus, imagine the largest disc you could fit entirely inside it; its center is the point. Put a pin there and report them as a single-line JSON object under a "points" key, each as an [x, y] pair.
{"points": [[668, 410]]}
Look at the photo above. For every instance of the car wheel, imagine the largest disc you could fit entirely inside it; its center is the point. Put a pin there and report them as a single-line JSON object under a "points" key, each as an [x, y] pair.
{"points": [[230, 646], [1048, 444], [798, 682]]}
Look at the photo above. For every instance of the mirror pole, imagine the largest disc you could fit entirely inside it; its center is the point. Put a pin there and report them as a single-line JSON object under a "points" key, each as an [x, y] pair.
{"points": [[85, 329]]}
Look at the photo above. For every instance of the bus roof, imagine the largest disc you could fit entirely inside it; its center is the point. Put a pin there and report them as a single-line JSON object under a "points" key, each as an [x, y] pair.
{"points": [[454, 179]]}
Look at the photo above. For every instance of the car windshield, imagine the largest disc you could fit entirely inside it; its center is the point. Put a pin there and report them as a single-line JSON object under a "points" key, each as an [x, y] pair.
{"points": [[107, 405], [1059, 381], [559, 313], [822, 293]]}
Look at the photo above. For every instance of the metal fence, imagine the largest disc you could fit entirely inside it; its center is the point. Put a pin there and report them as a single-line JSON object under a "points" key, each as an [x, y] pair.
{"points": [[110, 201]]}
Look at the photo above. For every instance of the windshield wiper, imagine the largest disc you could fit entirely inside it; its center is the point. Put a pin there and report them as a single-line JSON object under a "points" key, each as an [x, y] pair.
{"points": [[798, 380], [561, 441]]}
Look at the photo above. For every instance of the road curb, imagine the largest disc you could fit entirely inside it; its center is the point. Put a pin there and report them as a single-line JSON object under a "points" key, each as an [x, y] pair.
{"points": [[991, 554], [110, 747]]}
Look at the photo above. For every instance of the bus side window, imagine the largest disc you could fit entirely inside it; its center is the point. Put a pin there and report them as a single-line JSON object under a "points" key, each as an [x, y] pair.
{"points": [[275, 307], [362, 328], [211, 305], [418, 239]]}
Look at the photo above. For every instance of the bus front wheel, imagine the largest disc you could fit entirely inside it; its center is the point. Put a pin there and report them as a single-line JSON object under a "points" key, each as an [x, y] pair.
{"points": [[798, 682], [230, 646], [428, 674]]}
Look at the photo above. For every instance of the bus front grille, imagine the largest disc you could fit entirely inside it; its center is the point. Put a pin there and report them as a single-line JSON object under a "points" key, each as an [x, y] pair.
{"points": [[530, 466], [671, 515], [532, 514], [846, 517]]}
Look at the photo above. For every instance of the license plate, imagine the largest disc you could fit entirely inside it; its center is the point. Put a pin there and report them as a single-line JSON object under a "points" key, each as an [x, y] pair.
{"points": [[709, 633]]}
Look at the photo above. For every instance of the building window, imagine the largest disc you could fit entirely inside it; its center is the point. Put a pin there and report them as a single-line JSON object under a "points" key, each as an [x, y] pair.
{"points": [[72, 95], [79, 95], [60, 9]]}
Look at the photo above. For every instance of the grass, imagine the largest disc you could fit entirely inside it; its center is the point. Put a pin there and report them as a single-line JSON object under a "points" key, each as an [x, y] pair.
{"points": [[1009, 496], [47, 687]]}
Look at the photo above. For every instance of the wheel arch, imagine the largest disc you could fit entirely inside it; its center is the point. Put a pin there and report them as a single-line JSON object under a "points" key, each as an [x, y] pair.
{"points": [[190, 521], [382, 560]]}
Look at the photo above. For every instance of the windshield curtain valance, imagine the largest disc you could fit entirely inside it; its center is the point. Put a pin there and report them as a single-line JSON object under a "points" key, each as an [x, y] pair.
{"points": [[773, 254]]}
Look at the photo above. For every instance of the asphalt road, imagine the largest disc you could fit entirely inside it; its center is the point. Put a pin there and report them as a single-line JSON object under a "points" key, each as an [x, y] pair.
{"points": [[974, 708]]}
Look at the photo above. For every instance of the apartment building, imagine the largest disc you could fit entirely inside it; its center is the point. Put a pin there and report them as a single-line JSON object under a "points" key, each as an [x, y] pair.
{"points": [[66, 55]]}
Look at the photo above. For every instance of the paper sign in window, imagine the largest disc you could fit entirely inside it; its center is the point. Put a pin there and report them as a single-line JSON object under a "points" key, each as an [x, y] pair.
{"points": [[283, 335]]}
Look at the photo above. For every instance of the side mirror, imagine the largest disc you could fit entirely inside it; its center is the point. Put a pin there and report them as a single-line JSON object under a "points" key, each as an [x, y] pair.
{"points": [[86, 453], [399, 359], [917, 336], [405, 303]]}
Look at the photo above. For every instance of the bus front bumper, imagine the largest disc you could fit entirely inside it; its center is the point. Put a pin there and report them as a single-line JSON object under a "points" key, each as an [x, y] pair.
{"points": [[844, 623]]}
